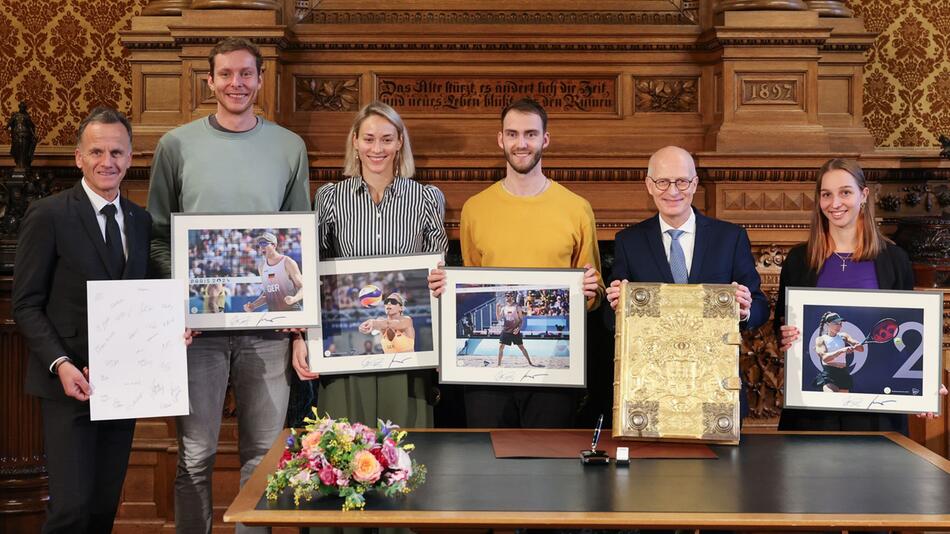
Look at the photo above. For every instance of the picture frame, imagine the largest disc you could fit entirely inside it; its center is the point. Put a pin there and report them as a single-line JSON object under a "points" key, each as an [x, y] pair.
{"points": [[897, 367], [535, 316], [224, 256], [371, 305]]}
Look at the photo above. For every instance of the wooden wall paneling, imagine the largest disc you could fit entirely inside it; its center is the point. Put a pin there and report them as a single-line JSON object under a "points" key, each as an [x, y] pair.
{"points": [[841, 84]]}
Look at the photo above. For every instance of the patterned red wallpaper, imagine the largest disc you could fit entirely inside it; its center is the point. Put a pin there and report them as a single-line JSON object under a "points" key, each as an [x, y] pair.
{"points": [[64, 57], [907, 79]]}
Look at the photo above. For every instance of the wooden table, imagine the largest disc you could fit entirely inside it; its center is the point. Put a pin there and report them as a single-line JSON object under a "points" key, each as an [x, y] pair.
{"points": [[772, 480]]}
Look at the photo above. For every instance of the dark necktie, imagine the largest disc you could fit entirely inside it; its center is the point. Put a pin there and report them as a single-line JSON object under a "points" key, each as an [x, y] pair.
{"points": [[113, 240]]}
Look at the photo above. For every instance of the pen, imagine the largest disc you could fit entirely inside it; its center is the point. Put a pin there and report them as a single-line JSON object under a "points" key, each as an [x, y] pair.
{"points": [[593, 443]]}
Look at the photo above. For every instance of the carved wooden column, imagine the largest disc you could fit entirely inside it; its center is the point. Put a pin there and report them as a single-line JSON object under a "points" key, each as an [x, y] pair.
{"points": [[235, 4], [765, 79], [760, 5], [830, 8], [165, 7], [23, 483]]}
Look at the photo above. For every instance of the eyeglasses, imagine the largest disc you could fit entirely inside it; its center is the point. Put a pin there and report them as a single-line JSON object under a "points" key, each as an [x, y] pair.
{"points": [[262, 244], [664, 183], [391, 301]]}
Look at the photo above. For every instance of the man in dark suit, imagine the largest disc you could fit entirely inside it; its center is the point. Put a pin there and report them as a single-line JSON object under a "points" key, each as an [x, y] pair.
{"points": [[681, 245], [86, 233]]}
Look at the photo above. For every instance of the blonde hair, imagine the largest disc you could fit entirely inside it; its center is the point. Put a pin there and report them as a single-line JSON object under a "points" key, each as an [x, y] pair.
{"points": [[870, 241], [403, 165]]}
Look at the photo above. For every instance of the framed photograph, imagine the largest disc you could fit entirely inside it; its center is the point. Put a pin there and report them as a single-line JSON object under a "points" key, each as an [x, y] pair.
{"points": [[864, 350], [378, 314], [247, 271], [519, 327]]}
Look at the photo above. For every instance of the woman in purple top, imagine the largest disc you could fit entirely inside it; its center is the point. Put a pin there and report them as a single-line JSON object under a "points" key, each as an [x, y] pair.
{"points": [[844, 250]]}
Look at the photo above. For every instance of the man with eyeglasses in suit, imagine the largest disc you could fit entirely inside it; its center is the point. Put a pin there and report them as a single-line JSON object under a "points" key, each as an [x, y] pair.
{"points": [[680, 245]]}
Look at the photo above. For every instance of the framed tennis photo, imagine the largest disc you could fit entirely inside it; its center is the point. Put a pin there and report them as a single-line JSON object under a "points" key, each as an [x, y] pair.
{"points": [[378, 315], [519, 327], [247, 271], [864, 350]]}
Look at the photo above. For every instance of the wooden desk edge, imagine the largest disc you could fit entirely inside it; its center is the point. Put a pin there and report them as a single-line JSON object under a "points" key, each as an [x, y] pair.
{"points": [[243, 508]]}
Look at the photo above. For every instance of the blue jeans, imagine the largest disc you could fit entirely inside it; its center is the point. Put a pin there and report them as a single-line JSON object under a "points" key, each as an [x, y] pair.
{"points": [[258, 367]]}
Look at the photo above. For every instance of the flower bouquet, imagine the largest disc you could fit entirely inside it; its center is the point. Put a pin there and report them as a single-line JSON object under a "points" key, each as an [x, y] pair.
{"points": [[336, 457]]}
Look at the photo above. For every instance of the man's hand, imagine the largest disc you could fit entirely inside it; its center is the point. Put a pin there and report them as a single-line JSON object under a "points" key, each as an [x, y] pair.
{"points": [[299, 359], [744, 298], [75, 383], [437, 280], [613, 294], [590, 281], [248, 308], [189, 336]]}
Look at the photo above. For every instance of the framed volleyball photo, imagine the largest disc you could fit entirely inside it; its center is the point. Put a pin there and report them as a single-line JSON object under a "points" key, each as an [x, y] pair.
{"points": [[247, 271], [864, 350], [378, 315], [517, 327]]}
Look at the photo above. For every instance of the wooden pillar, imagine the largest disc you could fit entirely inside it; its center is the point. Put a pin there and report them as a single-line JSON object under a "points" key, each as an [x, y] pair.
{"points": [[165, 7], [765, 77], [235, 4], [760, 5], [23, 482], [830, 8]]}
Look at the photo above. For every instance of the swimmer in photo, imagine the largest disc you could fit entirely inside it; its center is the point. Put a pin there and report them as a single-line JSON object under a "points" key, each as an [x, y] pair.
{"points": [[395, 329]]}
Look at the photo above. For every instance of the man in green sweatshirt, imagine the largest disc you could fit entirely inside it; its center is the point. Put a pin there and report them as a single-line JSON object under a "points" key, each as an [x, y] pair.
{"points": [[231, 161]]}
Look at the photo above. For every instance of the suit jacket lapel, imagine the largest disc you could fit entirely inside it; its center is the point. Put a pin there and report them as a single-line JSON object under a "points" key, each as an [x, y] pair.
{"points": [[87, 216], [129, 230], [700, 243], [657, 251]]}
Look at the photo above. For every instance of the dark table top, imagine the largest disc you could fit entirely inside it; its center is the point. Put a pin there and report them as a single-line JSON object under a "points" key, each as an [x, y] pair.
{"points": [[770, 479]]}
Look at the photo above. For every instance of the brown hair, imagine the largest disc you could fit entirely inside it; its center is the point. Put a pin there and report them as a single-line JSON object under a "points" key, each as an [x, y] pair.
{"points": [[233, 44], [527, 105], [104, 115], [870, 241]]}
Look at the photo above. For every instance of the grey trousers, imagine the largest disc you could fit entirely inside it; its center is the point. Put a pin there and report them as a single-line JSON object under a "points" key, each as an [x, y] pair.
{"points": [[258, 366]]}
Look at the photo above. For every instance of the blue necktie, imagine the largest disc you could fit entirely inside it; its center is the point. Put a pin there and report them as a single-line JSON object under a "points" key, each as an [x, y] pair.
{"points": [[677, 258]]}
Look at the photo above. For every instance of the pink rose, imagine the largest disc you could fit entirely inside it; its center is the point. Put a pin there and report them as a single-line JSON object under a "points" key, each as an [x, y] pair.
{"points": [[311, 442], [390, 452], [365, 467], [327, 476]]}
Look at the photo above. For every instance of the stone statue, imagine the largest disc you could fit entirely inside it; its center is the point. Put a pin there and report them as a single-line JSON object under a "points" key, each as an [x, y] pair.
{"points": [[22, 138], [944, 146]]}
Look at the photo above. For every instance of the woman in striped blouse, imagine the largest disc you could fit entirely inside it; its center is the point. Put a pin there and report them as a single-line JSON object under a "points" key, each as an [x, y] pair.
{"points": [[378, 210]]}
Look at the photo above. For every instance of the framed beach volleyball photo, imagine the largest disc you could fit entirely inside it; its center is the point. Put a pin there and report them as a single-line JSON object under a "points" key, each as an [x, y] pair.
{"points": [[864, 350], [247, 271], [378, 314], [513, 327]]}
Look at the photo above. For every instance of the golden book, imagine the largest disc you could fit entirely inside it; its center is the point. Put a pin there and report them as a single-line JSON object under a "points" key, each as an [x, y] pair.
{"points": [[676, 363]]}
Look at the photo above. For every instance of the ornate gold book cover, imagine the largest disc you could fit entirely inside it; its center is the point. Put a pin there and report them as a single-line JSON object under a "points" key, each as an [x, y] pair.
{"points": [[676, 363]]}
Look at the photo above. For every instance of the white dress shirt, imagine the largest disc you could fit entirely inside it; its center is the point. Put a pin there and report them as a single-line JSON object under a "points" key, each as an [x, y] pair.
{"points": [[97, 204], [687, 238]]}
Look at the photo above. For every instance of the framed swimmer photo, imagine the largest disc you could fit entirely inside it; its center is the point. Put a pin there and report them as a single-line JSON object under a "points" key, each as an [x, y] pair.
{"points": [[247, 271], [378, 315], [864, 350], [518, 327]]}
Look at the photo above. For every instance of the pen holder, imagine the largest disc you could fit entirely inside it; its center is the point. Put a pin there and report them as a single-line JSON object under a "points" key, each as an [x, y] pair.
{"points": [[598, 457]]}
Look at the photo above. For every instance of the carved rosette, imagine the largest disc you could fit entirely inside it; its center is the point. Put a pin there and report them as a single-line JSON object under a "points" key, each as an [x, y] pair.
{"points": [[166, 7], [326, 94], [760, 5], [666, 95], [830, 8]]}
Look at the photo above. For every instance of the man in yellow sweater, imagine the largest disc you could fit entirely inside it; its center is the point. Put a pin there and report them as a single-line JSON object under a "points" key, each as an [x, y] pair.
{"points": [[526, 220]]}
